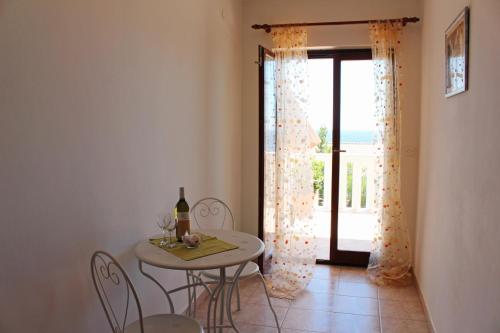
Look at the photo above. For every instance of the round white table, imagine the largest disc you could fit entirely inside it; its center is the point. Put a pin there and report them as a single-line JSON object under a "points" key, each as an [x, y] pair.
{"points": [[249, 248]]}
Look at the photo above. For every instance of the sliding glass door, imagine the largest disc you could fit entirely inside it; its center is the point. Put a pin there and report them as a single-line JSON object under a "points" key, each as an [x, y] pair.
{"points": [[342, 115], [346, 115], [356, 218]]}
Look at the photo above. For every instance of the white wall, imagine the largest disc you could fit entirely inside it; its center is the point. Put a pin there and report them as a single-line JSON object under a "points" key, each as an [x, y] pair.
{"points": [[106, 108], [457, 262], [283, 11]]}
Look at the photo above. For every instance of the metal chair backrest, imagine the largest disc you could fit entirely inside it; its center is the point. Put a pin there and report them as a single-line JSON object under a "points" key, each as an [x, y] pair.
{"points": [[107, 275], [211, 213]]}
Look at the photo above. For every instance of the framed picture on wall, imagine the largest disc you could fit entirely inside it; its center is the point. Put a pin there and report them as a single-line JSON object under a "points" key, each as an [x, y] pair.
{"points": [[457, 54]]}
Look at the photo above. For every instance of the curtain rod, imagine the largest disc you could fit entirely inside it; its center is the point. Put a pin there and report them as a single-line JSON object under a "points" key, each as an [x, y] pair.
{"points": [[268, 27]]}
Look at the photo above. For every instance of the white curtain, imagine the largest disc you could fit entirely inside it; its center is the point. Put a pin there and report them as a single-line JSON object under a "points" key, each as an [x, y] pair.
{"points": [[390, 259], [292, 239]]}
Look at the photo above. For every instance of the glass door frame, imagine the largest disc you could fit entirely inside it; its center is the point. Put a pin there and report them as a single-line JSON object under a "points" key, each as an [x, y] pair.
{"points": [[263, 54], [339, 257]]}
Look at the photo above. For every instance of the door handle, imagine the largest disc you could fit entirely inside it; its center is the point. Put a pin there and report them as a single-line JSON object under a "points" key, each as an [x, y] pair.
{"points": [[339, 151]]}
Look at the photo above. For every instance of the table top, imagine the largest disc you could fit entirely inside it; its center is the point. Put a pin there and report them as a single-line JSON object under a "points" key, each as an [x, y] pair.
{"points": [[249, 248]]}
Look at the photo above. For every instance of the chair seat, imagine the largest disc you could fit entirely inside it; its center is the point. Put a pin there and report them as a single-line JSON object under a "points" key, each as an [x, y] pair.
{"points": [[163, 323], [250, 269]]}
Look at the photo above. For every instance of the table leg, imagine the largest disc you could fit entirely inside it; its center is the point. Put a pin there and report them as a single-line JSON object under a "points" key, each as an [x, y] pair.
{"points": [[238, 301], [170, 303], [188, 312], [214, 297], [230, 294], [194, 294], [190, 284], [269, 301], [222, 278]]}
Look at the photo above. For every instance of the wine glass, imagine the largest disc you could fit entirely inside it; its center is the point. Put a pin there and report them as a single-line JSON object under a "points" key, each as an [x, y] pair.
{"points": [[170, 224], [161, 223]]}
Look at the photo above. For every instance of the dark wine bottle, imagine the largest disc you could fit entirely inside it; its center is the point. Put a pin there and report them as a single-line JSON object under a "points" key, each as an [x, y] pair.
{"points": [[182, 212]]}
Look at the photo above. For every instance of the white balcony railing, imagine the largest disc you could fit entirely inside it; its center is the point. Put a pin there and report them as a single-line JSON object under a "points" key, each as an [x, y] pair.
{"points": [[358, 160]]}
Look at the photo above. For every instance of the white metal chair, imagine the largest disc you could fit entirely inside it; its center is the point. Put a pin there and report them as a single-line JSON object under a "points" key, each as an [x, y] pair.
{"points": [[107, 275], [213, 213]]}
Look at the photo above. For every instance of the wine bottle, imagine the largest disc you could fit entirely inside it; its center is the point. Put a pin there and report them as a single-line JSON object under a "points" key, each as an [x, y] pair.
{"points": [[182, 212]]}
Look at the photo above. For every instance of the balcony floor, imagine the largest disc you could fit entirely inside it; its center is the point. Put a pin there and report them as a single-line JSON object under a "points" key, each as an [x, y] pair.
{"points": [[355, 231]]}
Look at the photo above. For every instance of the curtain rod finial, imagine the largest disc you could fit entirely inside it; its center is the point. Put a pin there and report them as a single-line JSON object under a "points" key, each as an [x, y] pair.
{"points": [[410, 20]]}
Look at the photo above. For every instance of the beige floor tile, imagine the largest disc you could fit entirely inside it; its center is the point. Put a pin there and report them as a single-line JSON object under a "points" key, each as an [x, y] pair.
{"points": [[392, 309], [308, 320], [260, 298], [356, 289], [201, 317], [254, 293], [355, 305], [246, 294], [250, 285], [393, 325], [337, 300], [393, 293], [203, 301], [322, 286], [356, 275], [402, 310], [349, 323], [326, 272], [202, 311], [251, 280], [314, 301], [234, 301], [258, 314], [415, 310]]}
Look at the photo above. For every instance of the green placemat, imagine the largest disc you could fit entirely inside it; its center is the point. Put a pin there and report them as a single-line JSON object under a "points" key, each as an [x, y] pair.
{"points": [[209, 245]]}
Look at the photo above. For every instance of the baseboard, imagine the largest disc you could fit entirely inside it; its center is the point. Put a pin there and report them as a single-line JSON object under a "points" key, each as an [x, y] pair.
{"points": [[426, 307]]}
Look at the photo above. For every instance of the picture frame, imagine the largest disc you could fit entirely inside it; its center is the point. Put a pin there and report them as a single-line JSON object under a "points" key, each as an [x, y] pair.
{"points": [[457, 54]]}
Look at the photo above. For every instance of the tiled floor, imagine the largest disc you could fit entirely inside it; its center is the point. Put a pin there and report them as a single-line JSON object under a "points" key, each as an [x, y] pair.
{"points": [[338, 300]]}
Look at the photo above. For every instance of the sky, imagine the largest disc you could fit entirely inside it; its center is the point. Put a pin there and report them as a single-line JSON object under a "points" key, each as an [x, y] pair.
{"points": [[357, 94]]}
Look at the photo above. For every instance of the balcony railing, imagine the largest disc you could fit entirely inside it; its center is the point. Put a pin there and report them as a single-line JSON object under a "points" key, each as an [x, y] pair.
{"points": [[356, 179]]}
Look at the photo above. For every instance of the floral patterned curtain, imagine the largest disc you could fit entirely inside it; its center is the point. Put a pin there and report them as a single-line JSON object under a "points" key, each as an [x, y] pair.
{"points": [[292, 242], [390, 258]]}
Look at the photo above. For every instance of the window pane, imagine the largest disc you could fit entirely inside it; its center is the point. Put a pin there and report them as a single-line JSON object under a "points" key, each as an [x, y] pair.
{"points": [[321, 119], [357, 133]]}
